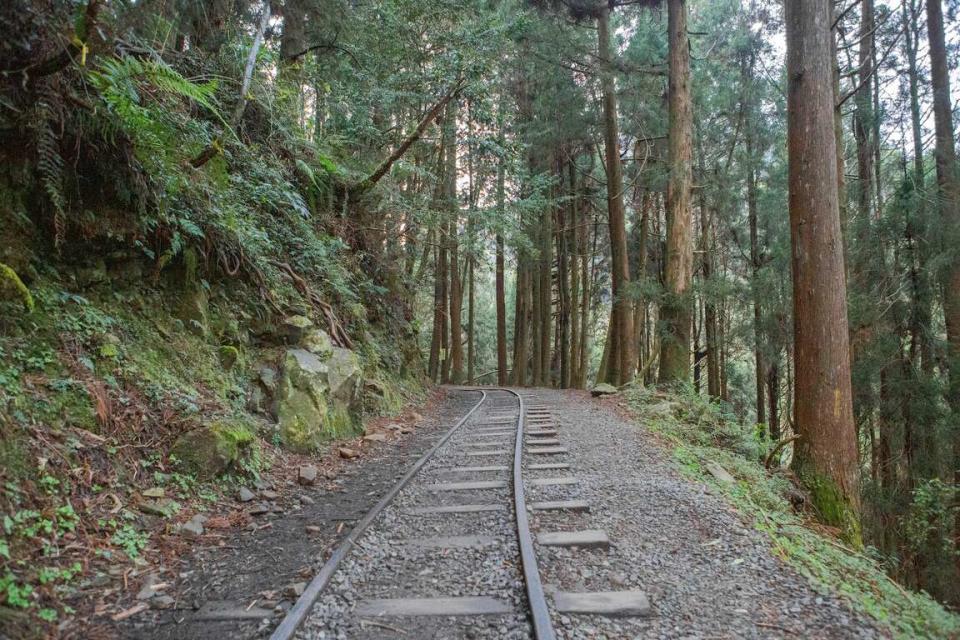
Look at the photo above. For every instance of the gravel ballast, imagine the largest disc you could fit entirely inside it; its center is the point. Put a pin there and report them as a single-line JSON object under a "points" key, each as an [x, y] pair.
{"points": [[677, 562], [706, 574]]}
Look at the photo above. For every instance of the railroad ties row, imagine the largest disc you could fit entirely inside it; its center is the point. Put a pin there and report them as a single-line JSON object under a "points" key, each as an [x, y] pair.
{"points": [[561, 521], [446, 558], [443, 559]]}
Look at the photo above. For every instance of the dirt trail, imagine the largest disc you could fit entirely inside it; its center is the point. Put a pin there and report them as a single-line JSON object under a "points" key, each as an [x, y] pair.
{"points": [[252, 576]]}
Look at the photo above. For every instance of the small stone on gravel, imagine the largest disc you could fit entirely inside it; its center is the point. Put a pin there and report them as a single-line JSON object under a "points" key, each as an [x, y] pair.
{"points": [[307, 475]]}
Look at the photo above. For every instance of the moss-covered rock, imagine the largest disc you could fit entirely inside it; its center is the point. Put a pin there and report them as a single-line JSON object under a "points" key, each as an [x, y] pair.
{"points": [[229, 356], [11, 286], [194, 312], [294, 328], [212, 449], [318, 399], [317, 342]]}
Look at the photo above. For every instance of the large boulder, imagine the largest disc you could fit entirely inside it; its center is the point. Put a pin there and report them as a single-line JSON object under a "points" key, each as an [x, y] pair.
{"points": [[213, 448], [603, 389], [318, 398]]}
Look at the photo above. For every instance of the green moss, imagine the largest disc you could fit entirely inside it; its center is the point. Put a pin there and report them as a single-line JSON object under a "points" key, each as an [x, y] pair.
{"points": [[211, 450], [10, 280], [229, 356], [338, 422], [832, 505]]}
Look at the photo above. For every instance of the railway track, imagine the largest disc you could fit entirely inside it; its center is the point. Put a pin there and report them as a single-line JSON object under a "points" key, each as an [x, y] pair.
{"points": [[448, 551]]}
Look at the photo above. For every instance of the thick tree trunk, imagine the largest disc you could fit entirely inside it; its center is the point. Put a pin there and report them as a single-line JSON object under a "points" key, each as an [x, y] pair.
{"points": [[676, 312], [587, 277], [563, 276], [825, 456], [948, 182], [520, 329], [620, 364], [500, 288], [433, 367], [640, 324]]}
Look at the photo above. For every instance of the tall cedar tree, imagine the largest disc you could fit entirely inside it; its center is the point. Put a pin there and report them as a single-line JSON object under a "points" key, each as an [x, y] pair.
{"points": [[825, 458], [677, 312]]}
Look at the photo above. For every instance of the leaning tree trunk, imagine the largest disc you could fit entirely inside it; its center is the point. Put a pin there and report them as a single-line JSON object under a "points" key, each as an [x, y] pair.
{"points": [[825, 457], [676, 313]]}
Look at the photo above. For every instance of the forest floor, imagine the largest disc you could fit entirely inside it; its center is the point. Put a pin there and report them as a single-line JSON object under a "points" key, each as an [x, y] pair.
{"points": [[256, 553], [677, 532]]}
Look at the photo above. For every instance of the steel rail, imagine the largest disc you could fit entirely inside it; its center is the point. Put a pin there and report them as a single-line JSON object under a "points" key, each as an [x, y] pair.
{"points": [[542, 627], [298, 613]]}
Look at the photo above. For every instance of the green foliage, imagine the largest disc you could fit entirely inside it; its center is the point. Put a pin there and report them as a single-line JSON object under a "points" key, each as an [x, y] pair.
{"points": [[130, 540]]}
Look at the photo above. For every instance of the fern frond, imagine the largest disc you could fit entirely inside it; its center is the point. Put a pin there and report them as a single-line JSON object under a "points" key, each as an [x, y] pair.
{"points": [[50, 164]]}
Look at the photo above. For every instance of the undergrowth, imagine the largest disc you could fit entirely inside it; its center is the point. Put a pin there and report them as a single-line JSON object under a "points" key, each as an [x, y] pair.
{"points": [[701, 433]]}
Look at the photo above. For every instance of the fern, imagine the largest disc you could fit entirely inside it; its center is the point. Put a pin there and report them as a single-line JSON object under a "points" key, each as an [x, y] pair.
{"points": [[50, 164]]}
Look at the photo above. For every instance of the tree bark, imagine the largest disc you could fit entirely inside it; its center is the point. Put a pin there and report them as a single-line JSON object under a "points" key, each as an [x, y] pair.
{"points": [[948, 182], [676, 314], [574, 268], [500, 288], [760, 366], [620, 366], [825, 457]]}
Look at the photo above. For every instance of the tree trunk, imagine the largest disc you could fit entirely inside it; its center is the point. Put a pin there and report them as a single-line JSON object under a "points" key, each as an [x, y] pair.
{"points": [[453, 233], [948, 182], [825, 457], [521, 303], [546, 296], [563, 277], [709, 306], [500, 289], [921, 316], [863, 116], [574, 248], [676, 312], [755, 264], [620, 365]]}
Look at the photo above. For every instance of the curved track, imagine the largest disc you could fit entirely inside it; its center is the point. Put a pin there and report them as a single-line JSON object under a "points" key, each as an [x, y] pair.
{"points": [[491, 402]]}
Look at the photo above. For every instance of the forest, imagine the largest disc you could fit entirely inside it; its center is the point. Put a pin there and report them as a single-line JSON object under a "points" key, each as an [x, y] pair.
{"points": [[750, 204]]}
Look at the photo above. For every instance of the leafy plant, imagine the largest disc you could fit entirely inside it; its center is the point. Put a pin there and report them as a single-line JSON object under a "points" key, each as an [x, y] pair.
{"points": [[130, 540]]}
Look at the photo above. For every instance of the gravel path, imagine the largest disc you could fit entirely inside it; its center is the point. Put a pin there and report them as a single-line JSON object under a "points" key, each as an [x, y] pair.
{"points": [[705, 573]]}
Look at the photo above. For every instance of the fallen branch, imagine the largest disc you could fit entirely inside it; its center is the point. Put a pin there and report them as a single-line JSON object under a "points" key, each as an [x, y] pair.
{"points": [[431, 115], [777, 449]]}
